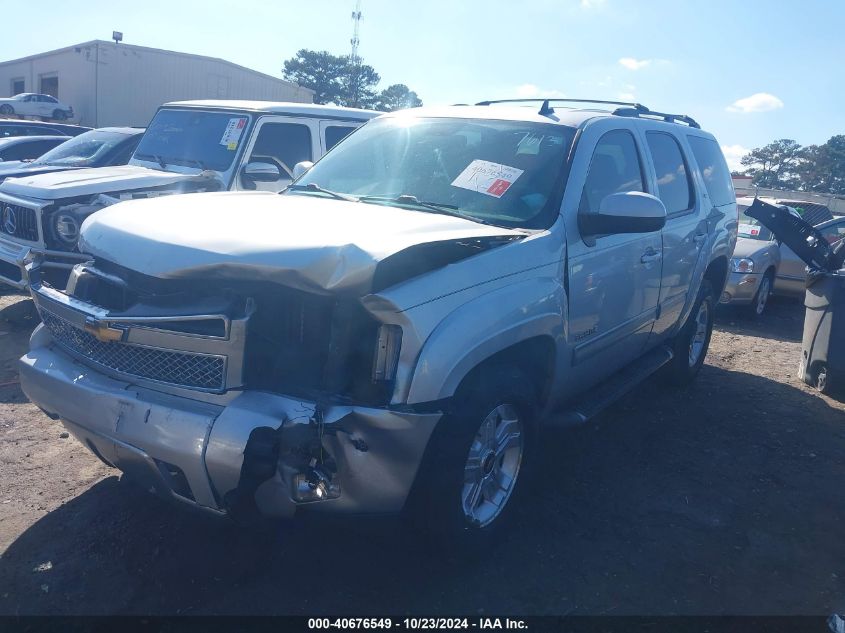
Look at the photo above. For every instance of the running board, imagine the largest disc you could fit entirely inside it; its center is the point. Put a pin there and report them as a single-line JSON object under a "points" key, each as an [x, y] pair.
{"points": [[601, 396]]}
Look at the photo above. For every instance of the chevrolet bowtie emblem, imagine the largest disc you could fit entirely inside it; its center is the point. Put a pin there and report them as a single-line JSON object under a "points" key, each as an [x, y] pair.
{"points": [[102, 331]]}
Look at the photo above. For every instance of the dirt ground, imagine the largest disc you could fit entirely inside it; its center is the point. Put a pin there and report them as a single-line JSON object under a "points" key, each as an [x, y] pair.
{"points": [[724, 498]]}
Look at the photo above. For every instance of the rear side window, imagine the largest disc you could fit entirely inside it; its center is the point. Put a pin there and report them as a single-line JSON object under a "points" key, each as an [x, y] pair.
{"points": [[674, 187], [714, 169], [335, 134], [614, 168]]}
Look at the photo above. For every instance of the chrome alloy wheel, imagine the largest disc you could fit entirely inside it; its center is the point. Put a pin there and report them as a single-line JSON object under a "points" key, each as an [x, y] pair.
{"points": [[699, 336], [492, 465]]}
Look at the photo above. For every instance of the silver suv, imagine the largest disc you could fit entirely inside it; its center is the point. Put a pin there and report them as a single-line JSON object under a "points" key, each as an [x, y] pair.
{"points": [[394, 330]]}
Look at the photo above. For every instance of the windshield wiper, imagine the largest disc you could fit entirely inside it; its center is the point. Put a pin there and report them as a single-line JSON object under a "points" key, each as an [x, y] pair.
{"points": [[156, 157], [437, 207], [189, 161], [312, 186]]}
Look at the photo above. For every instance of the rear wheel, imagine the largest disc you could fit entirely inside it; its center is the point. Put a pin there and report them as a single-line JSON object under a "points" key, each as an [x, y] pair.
{"points": [[6, 109], [692, 341], [59, 115], [478, 460]]}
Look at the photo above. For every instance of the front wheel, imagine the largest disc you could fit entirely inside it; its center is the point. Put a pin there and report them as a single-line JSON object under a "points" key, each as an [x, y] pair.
{"points": [[761, 299], [6, 109], [478, 460], [692, 341], [59, 115]]}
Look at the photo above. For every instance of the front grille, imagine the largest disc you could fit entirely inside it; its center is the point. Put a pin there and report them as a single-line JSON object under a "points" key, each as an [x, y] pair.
{"points": [[18, 221], [183, 369]]}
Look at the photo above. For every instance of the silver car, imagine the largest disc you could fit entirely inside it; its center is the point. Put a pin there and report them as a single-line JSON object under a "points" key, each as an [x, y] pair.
{"points": [[393, 332], [792, 272], [761, 265]]}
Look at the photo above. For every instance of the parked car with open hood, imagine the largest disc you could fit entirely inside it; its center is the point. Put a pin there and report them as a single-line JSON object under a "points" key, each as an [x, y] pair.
{"points": [[394, 331], [98, 148], [761, 265], [32, 104], [189, 147]]}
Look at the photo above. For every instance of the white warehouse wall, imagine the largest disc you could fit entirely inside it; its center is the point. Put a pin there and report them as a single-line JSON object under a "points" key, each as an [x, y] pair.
{"points": [[121, 84]]}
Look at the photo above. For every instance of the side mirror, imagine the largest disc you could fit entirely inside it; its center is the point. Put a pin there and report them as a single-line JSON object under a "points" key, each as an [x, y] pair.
{"points": [[628, 212], [301, 167], [261, 172]]}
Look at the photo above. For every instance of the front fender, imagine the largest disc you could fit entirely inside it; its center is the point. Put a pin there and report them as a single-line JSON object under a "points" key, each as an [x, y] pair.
{"points": [[484, 326]]}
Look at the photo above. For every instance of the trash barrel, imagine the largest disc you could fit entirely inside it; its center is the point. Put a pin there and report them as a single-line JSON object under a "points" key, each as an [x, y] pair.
{"points": [[823, 344]]}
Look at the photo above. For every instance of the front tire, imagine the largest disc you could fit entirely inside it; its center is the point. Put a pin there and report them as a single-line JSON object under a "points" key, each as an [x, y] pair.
{"points": [[478, 460], [59, 115], [6, 109], [692, 341], [761, 298]]}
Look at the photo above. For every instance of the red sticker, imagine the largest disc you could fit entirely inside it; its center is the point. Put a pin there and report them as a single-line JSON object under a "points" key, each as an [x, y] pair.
{"points": [[498, 188], [241, 123]]}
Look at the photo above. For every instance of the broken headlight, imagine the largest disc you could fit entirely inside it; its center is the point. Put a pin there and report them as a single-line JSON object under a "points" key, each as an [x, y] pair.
{"points": [[66, 228], [742, 265]]}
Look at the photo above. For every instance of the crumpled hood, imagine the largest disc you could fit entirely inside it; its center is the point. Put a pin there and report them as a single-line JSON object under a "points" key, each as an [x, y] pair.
{"points": [[90, 181], [299, 241], [746, 247]]}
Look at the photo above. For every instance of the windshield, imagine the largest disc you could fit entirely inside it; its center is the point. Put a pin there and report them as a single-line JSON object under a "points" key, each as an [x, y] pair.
{"points": [[85, 150], [499, 172], [751, 228], [201, 139]]}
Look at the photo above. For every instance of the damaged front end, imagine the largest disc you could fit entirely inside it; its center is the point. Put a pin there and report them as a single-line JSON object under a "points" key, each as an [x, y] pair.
{"points": [[245, 371], [239, 398]]}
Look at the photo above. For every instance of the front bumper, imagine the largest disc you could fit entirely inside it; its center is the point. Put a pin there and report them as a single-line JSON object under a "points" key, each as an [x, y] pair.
{"points": [[12, 263], [194, 452], [741, 288]]}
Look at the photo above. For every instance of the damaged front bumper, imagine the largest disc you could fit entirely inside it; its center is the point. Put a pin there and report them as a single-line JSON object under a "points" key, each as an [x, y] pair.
{"points": [[254, 451]]}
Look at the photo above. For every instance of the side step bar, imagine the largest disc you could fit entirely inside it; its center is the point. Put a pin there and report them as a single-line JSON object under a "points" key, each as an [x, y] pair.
{"points": [[598, 398]]}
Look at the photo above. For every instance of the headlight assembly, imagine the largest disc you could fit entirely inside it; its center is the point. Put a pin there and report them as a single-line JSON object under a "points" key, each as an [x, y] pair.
{"points": [[742, 265], [67, 229]]}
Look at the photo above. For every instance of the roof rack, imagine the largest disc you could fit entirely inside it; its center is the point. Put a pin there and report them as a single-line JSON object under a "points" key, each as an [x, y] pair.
{"points": [[629, 108]]}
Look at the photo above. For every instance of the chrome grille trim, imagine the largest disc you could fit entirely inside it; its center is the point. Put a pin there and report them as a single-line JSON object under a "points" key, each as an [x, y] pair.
{"points": [[25, 221], [191, 370]]}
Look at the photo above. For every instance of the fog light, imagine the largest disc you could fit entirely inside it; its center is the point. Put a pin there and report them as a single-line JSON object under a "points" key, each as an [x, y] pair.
{"points": [[314, 487]]}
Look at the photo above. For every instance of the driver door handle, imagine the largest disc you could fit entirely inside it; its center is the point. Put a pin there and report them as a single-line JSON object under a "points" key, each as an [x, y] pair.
{"points": [[699, 239], [650, 255]]}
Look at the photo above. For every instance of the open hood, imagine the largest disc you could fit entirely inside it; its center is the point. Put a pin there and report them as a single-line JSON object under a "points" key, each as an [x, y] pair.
{"points": [[91, 181], [305, 242], [804, 240]]}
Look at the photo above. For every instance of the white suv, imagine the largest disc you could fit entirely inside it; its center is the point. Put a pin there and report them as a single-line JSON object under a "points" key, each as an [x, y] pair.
{"points": [[189, 146]]}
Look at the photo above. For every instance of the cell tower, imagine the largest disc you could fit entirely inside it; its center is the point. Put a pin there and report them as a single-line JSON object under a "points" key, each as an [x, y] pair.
{"points": [[356, 20]]}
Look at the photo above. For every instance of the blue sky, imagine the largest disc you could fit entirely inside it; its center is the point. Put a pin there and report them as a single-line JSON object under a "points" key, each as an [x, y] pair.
{"points": [[749, 71]]}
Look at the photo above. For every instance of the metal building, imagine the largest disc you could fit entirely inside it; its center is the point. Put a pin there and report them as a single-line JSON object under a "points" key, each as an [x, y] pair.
{"points": [[121, 84]]}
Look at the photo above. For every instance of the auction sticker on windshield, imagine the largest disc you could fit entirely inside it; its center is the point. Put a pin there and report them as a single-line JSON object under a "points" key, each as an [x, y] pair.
{"points": [[491, 179], [232, 133]]}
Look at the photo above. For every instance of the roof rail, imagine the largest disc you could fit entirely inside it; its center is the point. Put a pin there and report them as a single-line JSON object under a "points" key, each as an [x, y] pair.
{"points": [[630, 108], [669, 118], [546, 102]]}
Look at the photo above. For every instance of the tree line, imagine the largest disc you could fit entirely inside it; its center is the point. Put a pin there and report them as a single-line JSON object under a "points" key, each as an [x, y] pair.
{"points": [[344, 81], [785, 164]]}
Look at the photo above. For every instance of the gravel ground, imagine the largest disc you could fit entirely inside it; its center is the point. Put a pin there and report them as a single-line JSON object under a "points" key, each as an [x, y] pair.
{"points": [[724, 498]]}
